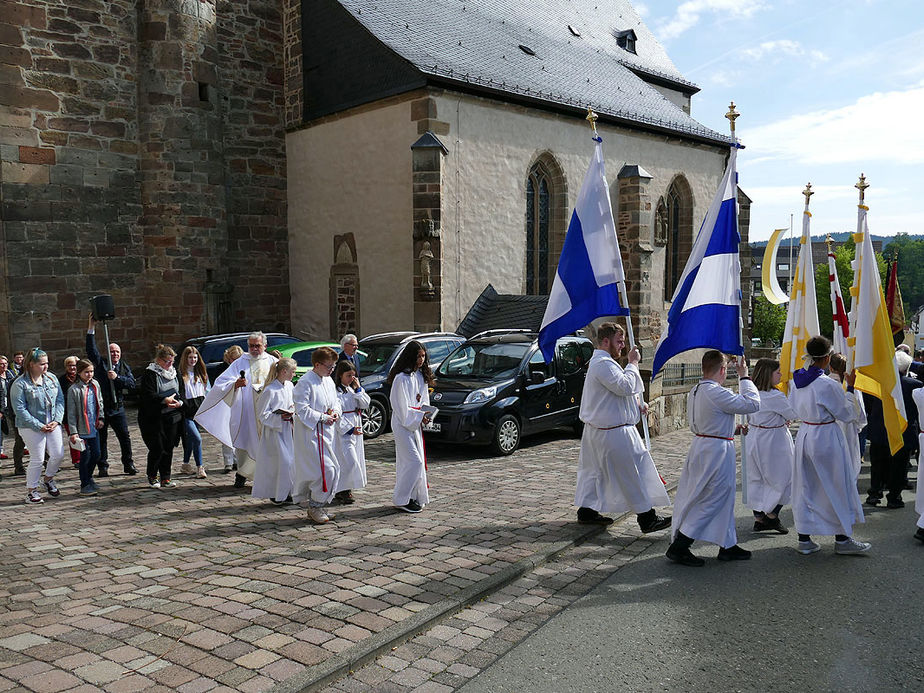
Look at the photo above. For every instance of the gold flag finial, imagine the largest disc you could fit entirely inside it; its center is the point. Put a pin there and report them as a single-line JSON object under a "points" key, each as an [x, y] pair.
{"points": [[862, 185], [808, 192], [829, 240], [592, 119], [732, 115]]}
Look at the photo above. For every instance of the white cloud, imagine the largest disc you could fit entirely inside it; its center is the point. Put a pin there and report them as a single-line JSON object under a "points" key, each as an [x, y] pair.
{"points": [[883, 126], [689, 13], [782, 47], [724, 78]]}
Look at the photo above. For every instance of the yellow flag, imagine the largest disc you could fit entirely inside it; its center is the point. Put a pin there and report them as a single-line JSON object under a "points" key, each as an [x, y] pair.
{"points": [[802, 316], [871, 349]]}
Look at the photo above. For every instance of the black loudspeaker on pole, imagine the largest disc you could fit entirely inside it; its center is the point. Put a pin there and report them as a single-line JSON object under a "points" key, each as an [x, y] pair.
{"points": [[104, 309]]}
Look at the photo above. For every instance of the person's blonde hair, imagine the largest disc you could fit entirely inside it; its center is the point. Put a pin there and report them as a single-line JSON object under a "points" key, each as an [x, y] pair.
{"points": [[285, 363], [232, 354], [163, 351]]}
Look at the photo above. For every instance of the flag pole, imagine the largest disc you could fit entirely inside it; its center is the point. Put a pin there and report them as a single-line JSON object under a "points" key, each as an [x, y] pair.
{"points": [[732, 116], [621, 288], [860, 185]]}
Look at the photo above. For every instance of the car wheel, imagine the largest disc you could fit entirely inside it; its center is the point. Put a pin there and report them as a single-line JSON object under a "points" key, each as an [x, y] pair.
{"points": [[506, 435], [374, 419]]}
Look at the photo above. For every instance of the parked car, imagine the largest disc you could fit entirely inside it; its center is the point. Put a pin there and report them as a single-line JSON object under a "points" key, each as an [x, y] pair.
{"points": [[301, 352], [380, 351], [212, 348], [497, 388]]}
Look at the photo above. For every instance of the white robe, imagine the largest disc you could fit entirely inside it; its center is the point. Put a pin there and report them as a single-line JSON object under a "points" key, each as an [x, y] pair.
{"points": [[918, 396], [316, 468], [408, 394], [704, 507], [824, 486], [230, 414], [615, 471], [273, 477], [349, 446], [851, 431], [770, 452]]}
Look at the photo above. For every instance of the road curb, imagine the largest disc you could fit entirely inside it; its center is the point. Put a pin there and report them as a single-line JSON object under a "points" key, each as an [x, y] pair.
{"points": [[316, 677]]}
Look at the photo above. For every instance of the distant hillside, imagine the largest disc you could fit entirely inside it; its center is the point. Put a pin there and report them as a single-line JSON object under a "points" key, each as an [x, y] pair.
{"points": [[837, 237]]}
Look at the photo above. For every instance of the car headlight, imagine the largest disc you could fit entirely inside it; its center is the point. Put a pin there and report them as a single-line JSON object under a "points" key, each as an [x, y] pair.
{"points": [[482, 395]]}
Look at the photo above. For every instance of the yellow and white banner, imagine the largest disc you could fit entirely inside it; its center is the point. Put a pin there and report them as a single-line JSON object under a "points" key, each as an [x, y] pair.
{"points": [[771, 287]]}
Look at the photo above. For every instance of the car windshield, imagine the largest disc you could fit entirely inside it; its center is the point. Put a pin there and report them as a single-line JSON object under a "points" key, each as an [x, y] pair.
{"points": [[376, 359], [485, 361]]}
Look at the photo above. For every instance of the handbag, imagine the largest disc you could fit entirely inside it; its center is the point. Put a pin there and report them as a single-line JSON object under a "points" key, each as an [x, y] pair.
{"points": [[79, 446]]}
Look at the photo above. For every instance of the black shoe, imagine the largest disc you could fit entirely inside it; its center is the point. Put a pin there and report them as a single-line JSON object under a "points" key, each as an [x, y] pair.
{"points": [[735, 553], [894, 503], [101, 472], [919, 535], [773, 524], [130, 470], [239, 481], [227, 470], [656, 525], [19, 471], [762, 526], [588, 516], [684, 557], [276, 502], [872, 500], [909, 486], [234, 467], [412, 507]]}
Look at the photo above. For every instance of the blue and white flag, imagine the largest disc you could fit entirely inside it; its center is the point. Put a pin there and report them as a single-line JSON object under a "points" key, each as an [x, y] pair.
{"points": [[590, 267], [705, 311]]}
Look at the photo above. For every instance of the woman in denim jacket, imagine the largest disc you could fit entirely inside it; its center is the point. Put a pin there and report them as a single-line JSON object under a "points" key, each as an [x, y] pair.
{"points": [[39, 406], [84, 419]]}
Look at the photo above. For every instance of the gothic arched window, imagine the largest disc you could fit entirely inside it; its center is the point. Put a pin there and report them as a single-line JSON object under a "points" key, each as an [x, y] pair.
{"points": [[679, 218], [538, 218]]}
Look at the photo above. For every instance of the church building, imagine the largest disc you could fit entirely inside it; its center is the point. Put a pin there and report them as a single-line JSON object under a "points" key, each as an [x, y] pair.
{"points": [[442, 145]]}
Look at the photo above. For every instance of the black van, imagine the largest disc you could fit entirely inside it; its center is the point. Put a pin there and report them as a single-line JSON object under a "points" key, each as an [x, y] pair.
{"points": [[497, 387]]}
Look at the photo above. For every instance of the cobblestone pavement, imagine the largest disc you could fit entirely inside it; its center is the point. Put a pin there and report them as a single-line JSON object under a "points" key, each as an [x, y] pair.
{"points": [[203, 588]]}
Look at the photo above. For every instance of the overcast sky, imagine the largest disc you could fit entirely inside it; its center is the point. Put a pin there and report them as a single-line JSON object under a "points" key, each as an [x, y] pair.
{"points": [[826, 90]]}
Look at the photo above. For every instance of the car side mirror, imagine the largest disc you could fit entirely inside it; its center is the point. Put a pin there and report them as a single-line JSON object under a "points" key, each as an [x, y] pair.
{"points": [[536, 377]]}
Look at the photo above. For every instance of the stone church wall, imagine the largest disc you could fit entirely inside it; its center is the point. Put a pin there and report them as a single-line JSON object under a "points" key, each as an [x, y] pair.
{"points": [[142, 156]]}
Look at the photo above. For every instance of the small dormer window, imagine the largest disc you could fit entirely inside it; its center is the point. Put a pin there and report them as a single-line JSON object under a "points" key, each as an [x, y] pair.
{"points": [[625, 39]]}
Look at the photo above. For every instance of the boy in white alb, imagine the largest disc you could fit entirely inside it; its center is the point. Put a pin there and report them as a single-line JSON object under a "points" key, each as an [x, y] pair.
{"points": [[704, 507]]}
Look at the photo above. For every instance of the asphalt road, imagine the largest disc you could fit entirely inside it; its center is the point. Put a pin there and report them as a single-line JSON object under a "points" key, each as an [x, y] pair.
{"points": [[779, 622]]}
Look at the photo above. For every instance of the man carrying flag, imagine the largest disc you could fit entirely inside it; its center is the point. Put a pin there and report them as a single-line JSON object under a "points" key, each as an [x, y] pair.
{"points": [[615, 469]]}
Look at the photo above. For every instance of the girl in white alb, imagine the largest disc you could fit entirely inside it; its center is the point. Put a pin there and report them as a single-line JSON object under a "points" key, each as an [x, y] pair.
{"points": [[349, 436], [275, 410], [410, 378]]}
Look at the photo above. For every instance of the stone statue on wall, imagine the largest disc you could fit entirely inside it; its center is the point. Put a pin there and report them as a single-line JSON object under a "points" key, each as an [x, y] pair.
{"points": [[426, 260], [661, 224]]}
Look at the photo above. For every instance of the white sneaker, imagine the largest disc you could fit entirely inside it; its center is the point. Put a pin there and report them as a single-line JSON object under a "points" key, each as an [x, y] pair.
{"points": [[153, 483], [851, 546], [200, 473], [807, 547], [34, 497], [187, 469], [318, 515]]}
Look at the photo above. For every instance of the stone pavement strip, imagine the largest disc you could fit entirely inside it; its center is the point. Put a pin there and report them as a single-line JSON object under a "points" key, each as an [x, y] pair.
{"points": [[202, 588]]}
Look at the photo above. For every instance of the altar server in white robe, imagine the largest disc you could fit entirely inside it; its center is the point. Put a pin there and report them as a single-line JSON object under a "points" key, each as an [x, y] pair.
{"points": [[410, 379], [770, 450], [918, 396], [229, 410], [273, 477], [349, 440], [615, 471], [850, 429], [317, 410], [824, 486], [704, 507]]}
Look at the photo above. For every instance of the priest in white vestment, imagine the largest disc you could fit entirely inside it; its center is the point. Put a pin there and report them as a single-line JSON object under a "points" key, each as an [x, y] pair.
{"points": [[229, 411], [825, 499], [317, 410], [615, 472], [704, 507]]}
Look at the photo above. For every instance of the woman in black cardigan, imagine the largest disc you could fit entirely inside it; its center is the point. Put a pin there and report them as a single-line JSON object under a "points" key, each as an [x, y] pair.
{"points": [[159, 415]]}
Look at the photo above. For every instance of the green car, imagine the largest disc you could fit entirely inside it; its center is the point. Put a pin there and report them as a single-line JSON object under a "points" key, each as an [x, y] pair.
{"points": [[301, 352]]}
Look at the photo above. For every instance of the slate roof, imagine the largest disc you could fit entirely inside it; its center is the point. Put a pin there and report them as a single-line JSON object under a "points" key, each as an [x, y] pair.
{"points": [[476, 43], [494, 311]]}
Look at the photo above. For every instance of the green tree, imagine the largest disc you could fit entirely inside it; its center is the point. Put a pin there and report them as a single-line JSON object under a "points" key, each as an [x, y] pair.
{"points": [[910, 270], [769, 320]]}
